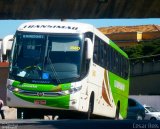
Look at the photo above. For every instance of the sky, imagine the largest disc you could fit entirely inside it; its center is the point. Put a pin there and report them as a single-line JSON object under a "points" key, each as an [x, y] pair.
{"points": [[9, 26]]}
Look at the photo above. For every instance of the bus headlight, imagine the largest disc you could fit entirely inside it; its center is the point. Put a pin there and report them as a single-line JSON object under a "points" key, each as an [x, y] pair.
{"points": [[73, 90], [13, 89]]}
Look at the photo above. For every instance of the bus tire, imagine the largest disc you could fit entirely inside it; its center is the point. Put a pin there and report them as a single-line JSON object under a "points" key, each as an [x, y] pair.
{"points": [[153, 118], [117, 111], [90, 106]]}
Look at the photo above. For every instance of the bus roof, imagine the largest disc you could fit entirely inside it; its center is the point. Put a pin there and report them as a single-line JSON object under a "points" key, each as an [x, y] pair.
{"points": [[65, 27], [55, 27]]}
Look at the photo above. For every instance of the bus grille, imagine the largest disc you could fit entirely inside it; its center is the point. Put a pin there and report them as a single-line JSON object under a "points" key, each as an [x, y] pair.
{"points": [[44, 94]]}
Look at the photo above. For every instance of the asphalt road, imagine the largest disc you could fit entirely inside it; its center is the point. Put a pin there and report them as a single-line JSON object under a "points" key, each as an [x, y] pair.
{"points": [[78, 124]]}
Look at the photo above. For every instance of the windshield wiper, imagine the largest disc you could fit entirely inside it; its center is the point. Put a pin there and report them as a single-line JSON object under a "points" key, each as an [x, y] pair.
{"points": [[53, 70], [46, 55]]}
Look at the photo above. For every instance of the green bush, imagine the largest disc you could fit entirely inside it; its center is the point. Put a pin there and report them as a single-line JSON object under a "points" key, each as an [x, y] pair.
{"points": [[144, 48]]}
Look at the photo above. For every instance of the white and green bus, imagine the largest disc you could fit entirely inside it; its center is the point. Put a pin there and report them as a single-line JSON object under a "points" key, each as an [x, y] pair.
{"points": [[57, 68]]}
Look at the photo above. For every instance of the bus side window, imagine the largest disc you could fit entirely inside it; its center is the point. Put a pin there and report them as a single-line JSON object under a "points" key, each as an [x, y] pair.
{"points": [[110, 59], [95, 55], [95, 58], [101, 53], [126, 70], [105, 55]]}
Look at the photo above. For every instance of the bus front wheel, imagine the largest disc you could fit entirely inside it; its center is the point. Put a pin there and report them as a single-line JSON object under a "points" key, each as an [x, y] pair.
{"points": [[117, 111], [91, 106]]}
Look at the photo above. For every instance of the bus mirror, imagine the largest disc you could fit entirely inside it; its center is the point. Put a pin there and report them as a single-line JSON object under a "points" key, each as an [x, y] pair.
{"points": [[89, 52]]}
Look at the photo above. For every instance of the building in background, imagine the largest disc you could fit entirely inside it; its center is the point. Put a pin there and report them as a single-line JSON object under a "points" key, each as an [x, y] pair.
{"points": [[126, 36], [4, 66]]}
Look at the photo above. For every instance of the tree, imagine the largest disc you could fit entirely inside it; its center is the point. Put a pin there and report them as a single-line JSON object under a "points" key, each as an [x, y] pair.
{"points": [[144, 48]]}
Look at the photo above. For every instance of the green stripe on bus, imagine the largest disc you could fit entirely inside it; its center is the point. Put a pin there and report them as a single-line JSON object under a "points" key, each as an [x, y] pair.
{"points": [[42, 87], [58, 101], [120, 92]]}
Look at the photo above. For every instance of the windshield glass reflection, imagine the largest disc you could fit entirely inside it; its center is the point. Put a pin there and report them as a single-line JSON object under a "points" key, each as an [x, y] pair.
{"points": [[47, 57]]}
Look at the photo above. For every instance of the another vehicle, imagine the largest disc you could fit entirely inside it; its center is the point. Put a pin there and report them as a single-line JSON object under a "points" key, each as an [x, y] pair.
{"points": [[151, 113], [58, 67], [6, 46], [136, 110]]}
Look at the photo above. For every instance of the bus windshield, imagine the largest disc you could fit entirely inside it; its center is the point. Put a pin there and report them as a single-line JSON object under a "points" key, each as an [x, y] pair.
{"points": [[46, 57]]}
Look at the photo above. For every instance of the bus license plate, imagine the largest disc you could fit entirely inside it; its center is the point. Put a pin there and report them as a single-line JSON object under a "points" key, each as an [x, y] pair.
{"points": [[42, 102]]}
